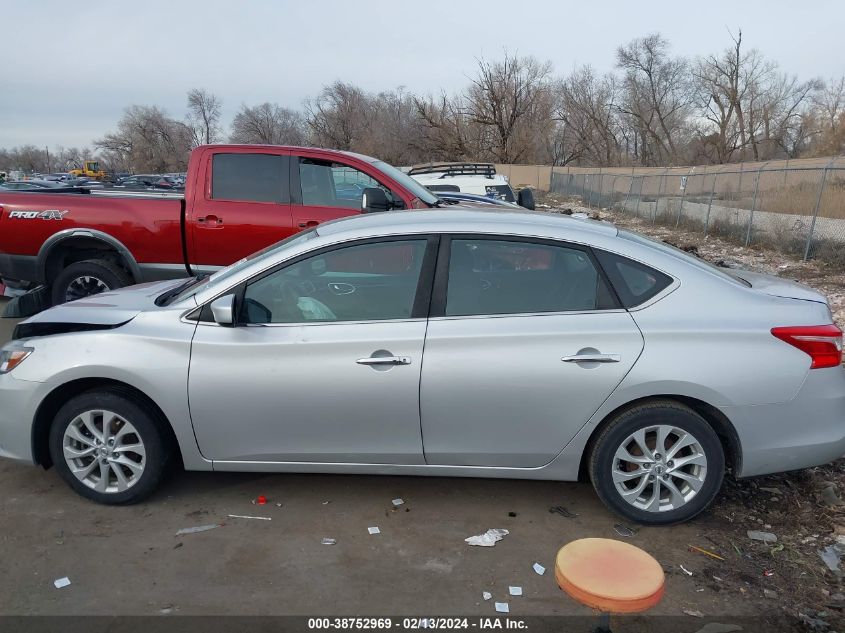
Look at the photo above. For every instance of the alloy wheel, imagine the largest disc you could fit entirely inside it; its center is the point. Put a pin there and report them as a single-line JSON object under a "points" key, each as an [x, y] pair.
{"points": [[104, 451], [659, 468], [84, 286]]}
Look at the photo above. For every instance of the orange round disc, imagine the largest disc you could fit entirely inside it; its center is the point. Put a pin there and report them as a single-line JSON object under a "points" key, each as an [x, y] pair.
{"points": [[609, 575]]}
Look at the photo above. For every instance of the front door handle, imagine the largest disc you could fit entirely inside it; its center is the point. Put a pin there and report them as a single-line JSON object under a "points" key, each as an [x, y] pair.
{"points": [[385, 360], [210, 221], [592, 358], [307, 224]]}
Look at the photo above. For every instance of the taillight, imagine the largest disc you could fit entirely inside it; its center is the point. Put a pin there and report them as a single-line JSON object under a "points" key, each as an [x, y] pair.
{"points": [[823, 343]]}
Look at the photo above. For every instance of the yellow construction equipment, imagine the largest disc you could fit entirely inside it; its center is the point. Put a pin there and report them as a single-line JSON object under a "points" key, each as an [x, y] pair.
{"points": [[90, 169]]}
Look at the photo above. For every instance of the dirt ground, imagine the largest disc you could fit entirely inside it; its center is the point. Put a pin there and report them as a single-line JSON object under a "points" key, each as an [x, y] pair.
{"points": [[129, 560]]}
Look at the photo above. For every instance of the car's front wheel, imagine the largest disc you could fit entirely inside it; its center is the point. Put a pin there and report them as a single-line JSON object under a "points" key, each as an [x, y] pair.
{"points": [[657, 463], [108, 448]]}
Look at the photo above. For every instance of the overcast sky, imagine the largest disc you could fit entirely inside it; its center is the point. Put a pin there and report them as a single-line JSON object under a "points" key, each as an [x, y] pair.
{"points": [[71, 68]]}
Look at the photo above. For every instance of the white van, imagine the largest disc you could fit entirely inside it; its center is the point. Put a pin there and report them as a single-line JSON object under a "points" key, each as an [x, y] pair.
{"points": [[475, 178]]}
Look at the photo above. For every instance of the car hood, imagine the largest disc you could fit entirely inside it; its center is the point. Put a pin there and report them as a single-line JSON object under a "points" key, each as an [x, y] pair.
{"points": [[104, 310], [778, 287]]}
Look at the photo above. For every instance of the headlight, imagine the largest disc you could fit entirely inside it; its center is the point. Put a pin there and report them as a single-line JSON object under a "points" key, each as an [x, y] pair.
{"points": [[12, 357]]}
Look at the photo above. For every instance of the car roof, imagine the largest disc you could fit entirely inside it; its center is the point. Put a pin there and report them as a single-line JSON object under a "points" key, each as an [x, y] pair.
{"points": [[463, 220]]}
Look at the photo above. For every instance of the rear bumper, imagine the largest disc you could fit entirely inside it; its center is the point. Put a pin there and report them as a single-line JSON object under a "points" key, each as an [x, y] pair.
{"points": [[809, 430]]}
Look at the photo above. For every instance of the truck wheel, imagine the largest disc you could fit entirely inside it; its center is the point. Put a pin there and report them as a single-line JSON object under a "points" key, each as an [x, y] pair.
{"points": [[88, 277], [108, 448]]}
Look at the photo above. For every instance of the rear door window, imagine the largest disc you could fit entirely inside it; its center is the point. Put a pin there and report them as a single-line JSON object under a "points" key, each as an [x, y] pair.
{"points": [[250, 178], [634, 282], [513, 277]]}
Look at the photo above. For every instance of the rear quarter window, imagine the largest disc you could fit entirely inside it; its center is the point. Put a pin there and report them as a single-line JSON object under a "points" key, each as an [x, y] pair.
{"points": [[634, 282]]}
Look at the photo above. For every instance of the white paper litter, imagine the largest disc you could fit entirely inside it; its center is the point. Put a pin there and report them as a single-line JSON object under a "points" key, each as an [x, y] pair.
{"points": [[539, 569], [515, 591], [486, 595], [502, 607], [243, 516], [199, 528], [489, 538], [329, 541], [373, 530], [61, 582], [398, 502], [685, 570]]}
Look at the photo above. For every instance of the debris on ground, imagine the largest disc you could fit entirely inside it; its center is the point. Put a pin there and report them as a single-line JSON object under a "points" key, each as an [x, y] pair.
{"points": [[486, 595], [694, 613], [768, 593], [512, 515], [261, 500], [397, 502], [489, 538], [831, 556], [831, 498], [701, 550], [61, 582], [328, 541], [766, 537], [813, 623], [244, 516], [563, 512], [623, 530], [718, 627], [539, 569], [373, 530], [685, 570], [515, 591], [502, 607], [199, 528]]}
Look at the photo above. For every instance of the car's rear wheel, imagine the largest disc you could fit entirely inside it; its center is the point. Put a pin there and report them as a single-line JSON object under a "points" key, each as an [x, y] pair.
{"points": [[108, 448], [657, 463], [88, 277]]}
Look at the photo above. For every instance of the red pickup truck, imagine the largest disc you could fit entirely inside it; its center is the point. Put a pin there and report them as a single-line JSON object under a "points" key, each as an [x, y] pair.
{"points": [[238, 199]]}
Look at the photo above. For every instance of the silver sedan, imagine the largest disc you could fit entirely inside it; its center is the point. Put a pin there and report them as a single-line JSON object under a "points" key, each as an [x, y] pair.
{"points": [[455, 343]]}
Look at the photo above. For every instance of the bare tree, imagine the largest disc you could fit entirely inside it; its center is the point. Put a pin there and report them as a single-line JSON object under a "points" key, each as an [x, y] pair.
{"points": [[268, 124], [510, 99], [147, 139], [204, 112], [340, 116], [587, 104], [656, 96]]}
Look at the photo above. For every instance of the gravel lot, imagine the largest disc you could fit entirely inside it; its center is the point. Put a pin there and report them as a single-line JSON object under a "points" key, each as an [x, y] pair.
{"points": [[129, 560]]}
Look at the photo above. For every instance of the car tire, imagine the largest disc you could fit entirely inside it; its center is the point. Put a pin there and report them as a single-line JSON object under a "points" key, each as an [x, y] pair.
{"points": [[88, 277], [686, 478], [137, 437]]}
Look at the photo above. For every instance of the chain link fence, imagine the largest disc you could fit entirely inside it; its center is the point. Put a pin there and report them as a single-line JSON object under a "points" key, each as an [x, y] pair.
{"points": [[797, 209]]}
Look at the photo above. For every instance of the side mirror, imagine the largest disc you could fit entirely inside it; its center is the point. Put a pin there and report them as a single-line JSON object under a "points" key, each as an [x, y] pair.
{"points": [[525, 198], [223, 310], [374, 199]]}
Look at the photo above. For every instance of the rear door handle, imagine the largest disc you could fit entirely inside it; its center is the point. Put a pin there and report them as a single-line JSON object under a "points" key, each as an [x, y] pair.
{"points": [[307, 224], [385, 360], [592, 358]]}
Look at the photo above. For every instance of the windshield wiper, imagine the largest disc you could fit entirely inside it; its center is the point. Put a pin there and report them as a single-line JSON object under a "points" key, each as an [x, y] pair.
{"points": [[164, 299]]}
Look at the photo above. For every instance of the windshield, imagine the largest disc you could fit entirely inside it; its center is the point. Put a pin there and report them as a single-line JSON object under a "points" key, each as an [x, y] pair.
{"points": [[406, 181], [225, 273]]}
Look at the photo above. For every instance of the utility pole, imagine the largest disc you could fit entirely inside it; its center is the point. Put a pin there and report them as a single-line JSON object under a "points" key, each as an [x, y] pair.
{"points": [[47, 149]]}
